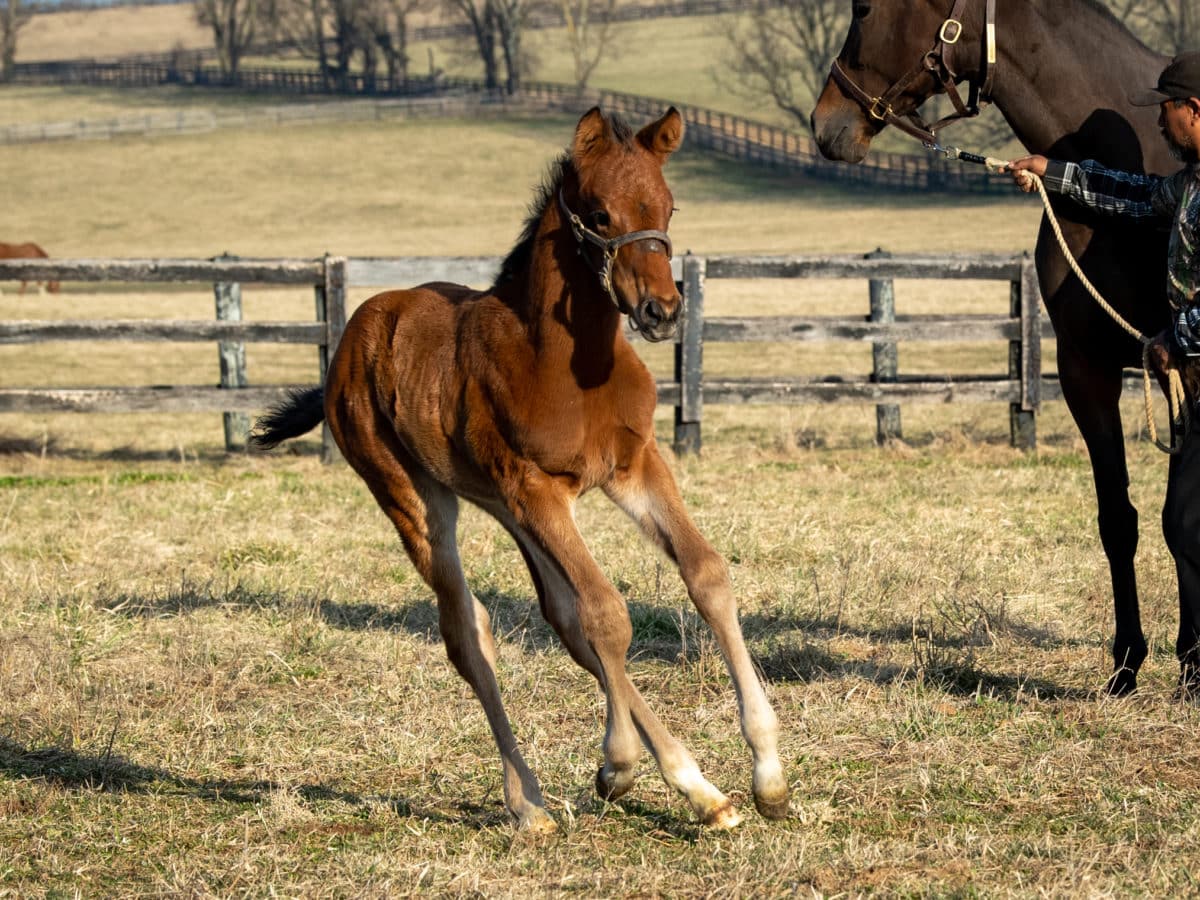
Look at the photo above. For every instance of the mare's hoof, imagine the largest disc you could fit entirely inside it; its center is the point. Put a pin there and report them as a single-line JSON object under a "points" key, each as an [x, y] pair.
{"points": [[610, 787], [537, 822], [773, 807], [724, 817], [1122, 683]]}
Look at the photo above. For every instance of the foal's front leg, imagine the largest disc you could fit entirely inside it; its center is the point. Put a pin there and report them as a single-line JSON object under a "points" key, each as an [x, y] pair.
{"points": [[648, 493], [598, 633]]}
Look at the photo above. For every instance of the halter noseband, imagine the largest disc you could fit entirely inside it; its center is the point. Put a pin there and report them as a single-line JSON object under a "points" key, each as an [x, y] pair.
{"points": [[939, 63], [609, 247]]}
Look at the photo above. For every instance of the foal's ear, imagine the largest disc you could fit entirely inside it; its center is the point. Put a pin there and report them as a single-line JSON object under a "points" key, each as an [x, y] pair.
{"points": [[591, 134], [664, 136]]}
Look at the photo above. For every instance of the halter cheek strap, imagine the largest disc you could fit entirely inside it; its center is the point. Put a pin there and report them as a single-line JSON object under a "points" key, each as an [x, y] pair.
{"points": [[939, 62], [609, 247]]}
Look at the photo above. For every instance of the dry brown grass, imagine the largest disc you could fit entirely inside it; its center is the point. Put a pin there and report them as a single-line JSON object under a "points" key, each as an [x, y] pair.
{"points": [[219, 676]]}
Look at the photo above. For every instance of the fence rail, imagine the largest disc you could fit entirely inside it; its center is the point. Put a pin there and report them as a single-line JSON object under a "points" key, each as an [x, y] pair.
{"points": [[1022, 386], [234, 396]]}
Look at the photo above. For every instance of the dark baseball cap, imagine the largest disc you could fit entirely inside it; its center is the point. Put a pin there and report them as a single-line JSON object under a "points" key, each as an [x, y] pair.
{"points": [[1178, 81]]}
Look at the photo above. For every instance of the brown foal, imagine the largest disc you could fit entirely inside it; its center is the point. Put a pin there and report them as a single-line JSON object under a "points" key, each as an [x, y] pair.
{"points": [[521, 398]]}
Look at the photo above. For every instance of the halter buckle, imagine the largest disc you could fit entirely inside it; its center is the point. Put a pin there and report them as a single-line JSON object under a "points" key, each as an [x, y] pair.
{"points": [[879, 109], [950, 32]]}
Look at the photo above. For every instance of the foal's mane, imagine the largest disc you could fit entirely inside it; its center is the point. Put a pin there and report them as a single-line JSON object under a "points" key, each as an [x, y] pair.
{"points": [[520, 257]]}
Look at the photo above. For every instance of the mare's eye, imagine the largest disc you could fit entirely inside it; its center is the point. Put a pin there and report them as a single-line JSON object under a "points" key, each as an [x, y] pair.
{"points": [[656, 246], [599, 219]]}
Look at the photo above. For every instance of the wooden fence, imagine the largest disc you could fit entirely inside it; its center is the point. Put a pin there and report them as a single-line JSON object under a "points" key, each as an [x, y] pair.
{"points": [[730, 135], [234, 395], [1022, 386]]}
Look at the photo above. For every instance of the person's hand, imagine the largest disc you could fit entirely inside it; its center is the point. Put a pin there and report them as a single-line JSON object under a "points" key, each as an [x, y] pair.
{"points": [[1018, 167], [1160, 353]]}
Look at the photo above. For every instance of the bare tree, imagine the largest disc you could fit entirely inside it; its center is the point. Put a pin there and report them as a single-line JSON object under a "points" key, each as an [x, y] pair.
{"points": [[589, 27], [386, 22], [1169, 26], [13, 17], [329, 31], [480, 15], [234, 25], [511, 17], [783, 48]]}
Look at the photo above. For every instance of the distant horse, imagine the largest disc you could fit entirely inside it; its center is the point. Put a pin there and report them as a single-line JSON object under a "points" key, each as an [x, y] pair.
{"points": [[521, 398], [1061, 73], [27, 251]]}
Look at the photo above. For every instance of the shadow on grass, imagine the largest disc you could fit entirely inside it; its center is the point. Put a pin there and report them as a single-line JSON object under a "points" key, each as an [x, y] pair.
{"points": [[796, 646], [108, 773]]}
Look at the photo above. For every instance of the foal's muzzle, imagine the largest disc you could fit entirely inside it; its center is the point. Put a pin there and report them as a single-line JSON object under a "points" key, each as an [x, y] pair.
{"points": [[655, 321]]}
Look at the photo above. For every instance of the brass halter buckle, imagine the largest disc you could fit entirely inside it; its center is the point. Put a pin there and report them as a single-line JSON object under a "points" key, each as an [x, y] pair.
{"points": [[951, 31], [879, 110]]}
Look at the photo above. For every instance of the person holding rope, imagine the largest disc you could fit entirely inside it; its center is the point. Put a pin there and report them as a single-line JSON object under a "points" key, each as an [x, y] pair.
{"points": [[1172, 200]]}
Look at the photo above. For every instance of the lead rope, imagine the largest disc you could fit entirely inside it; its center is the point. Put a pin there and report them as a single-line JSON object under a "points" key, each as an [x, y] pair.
{"points": [[1177, 403]]}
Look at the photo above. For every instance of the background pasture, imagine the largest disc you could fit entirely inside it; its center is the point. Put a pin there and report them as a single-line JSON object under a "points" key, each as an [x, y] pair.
{"points": [[219, 675]]}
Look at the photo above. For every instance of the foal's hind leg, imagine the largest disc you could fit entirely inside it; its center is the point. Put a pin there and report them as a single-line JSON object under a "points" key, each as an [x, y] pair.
{"points": [[424, 513], [648, 493]]}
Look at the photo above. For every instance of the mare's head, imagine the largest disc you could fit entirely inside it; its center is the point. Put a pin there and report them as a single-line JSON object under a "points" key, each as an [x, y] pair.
{"points": [[618, 207], [893, 58]]}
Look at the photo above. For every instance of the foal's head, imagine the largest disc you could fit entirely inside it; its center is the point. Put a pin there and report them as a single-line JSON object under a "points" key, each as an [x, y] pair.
{"points": [[619, 207]]}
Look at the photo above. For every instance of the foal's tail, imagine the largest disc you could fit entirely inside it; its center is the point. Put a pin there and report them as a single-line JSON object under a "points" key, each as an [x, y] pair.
{"points": [[302, 411]]}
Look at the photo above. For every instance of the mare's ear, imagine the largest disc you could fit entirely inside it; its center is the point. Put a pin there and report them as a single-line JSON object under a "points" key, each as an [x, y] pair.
{"points": [[664, 136], [592, 135]]}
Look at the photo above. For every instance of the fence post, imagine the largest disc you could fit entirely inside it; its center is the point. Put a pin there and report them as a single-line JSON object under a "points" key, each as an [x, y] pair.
{"points": [[1025, 355], [885, 358], [689, 358], [331, 309], [232, 358]]}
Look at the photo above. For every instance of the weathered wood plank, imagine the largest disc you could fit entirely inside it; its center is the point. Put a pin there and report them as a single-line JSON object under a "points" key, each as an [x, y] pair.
{"points": [[999, 267], [245, 271], [165, 399], [406, 272], [22, 331], [819, 328]]}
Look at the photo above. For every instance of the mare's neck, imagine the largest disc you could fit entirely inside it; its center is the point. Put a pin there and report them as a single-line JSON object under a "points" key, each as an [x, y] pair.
{"points": [[1062, 80]]}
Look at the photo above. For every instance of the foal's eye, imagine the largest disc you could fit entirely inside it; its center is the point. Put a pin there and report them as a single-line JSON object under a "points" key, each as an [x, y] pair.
{"points": [[861, 9], [600, 219]]}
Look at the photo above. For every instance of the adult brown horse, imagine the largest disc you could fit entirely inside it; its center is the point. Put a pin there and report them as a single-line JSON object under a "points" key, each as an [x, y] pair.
{"points": [[27, 251], [1061, 73], [521, 398]]}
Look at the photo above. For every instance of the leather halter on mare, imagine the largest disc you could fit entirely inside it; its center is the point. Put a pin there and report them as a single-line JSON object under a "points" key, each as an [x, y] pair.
{"points": [[938, 62], [609, 248]]}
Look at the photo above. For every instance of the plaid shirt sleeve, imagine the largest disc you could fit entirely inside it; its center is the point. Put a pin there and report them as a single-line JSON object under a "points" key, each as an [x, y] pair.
{"points": [[1152, 198], [1113, 192]]}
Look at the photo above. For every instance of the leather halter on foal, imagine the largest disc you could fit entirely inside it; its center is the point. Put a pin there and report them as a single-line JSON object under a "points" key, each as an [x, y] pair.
{"points": [[939, 63], [609, 248]]}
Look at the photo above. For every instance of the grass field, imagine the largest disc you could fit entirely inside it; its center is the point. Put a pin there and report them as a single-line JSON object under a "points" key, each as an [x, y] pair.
{"points": [[219, 676]]}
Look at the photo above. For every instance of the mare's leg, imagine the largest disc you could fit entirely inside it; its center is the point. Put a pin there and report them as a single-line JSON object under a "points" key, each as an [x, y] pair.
{"points": [[542, 510], [559, 603], [648, 493], [1092, 391], [425, 513], [1181, 527]]}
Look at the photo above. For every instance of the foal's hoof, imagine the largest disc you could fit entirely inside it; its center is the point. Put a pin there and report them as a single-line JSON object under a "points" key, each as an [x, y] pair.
{"points": [[724, 817], [773, 807], [611, 785], [537, 822], [1122, 683]]}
